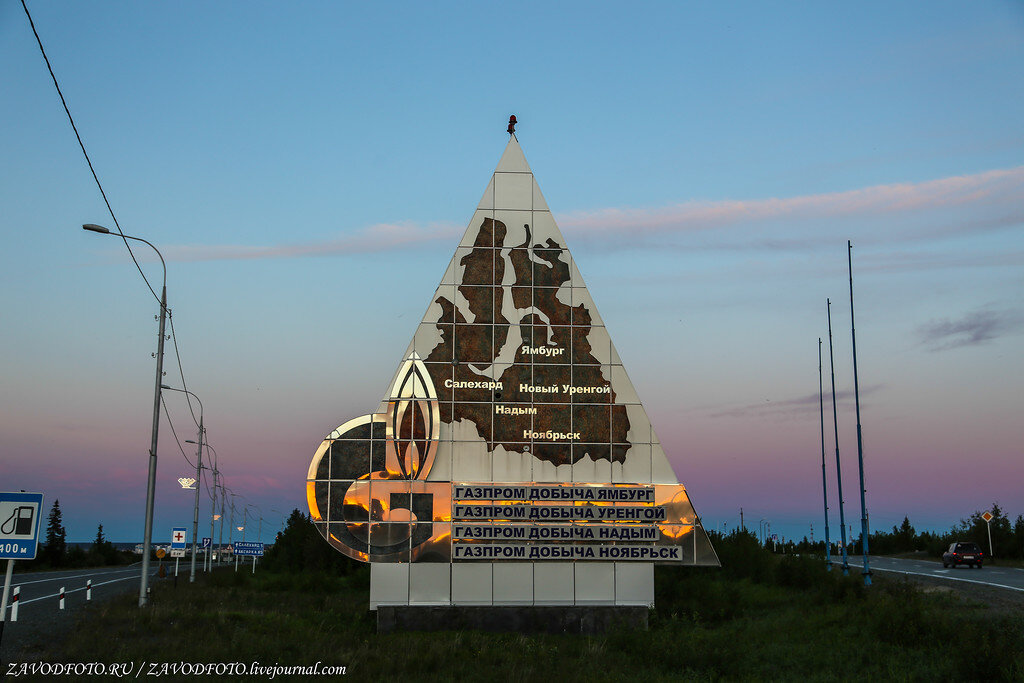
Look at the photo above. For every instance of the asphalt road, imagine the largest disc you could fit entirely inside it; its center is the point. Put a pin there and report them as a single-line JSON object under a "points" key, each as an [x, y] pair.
{"points": [[39, 615], [41, 590], [1010, 578]]}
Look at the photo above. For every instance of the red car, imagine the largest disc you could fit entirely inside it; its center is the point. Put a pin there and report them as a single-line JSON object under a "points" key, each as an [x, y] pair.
{"points": [[962, 553]]}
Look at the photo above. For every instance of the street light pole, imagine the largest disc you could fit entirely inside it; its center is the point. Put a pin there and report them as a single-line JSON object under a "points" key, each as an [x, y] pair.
{"points": [[199, 467], [220, 541], [147, 541], [259, 532], [213, 507], [199, 480], [282, 520]]}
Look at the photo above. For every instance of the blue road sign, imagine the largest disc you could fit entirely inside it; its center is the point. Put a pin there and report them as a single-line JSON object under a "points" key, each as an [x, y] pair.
{"points": [[179, 537], [206, 542], [19, 525], [255, 549]]}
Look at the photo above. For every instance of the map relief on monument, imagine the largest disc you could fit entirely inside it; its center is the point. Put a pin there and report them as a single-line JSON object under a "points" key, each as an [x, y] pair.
{"points": [[524, 337]]}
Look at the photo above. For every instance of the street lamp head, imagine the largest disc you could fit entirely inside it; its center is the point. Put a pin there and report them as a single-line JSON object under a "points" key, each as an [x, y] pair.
{"points": [[92, 227]]}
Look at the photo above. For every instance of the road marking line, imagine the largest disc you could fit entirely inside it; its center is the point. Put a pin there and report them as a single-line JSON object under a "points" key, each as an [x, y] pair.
{"points": [[74, 590], [77, 576], [950, 578]]}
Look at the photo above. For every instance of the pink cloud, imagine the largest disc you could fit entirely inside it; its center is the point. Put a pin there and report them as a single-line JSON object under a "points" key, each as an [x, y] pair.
{"points": [[379, 237], [1004, 187], [998, 192]]}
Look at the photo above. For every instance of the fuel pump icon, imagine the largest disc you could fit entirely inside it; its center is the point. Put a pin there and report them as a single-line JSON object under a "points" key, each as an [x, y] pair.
{"points": [[20, 521]]}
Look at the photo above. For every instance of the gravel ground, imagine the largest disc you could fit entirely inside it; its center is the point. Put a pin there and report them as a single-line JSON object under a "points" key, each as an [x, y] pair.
{"points": [[999, 600]]}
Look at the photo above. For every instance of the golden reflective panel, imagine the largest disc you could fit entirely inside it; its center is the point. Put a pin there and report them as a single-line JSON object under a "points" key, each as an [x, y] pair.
{"points": [[678, 509]]}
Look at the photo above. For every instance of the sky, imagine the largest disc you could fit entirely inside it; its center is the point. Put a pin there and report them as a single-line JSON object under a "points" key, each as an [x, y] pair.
{"points": [[307, 168]]}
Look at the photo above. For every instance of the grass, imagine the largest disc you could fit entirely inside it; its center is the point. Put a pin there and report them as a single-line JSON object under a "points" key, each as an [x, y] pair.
{"points": [[762, 617]]}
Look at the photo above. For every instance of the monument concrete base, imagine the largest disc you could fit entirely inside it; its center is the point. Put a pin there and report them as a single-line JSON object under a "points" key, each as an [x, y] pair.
{"points": [[586, 620]]}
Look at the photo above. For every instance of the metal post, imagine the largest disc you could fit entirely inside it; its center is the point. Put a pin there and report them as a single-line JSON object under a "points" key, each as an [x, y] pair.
{"points": [[195, 512], [991, 552], [213, 513], [860, 441], [151, 481], [824, 485], [147, 541], [220, 541], [231, 531], [835, 422], [3, 602], [213, 509]]}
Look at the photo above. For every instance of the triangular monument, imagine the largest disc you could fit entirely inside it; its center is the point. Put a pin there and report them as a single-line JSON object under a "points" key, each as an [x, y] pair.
{"points": [[511, 462]]}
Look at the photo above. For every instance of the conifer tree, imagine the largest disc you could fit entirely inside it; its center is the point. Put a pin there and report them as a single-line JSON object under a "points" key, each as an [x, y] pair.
{"points": [[56, 537]]}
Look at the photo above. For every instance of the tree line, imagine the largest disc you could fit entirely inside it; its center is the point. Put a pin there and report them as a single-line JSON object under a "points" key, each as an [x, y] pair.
{"points": [[54, 552], [1007, 537]]}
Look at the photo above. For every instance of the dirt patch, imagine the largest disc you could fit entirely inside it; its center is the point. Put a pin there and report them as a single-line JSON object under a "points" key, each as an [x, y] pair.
{"points": [[999, 600]]}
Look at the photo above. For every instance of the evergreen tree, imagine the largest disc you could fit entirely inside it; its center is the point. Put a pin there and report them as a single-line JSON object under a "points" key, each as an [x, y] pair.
{"points": [[301, 548], [56, 546], [905, 536], [103, 551]]}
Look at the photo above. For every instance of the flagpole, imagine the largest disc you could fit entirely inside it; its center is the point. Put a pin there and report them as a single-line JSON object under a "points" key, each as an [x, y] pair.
{"points": [[860, 441], [824, 485], [835, 423]]}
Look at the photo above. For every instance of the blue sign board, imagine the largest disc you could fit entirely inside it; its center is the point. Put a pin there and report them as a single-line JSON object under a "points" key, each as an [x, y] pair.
{"points": [[206, 542], [179, 538], [19, 525], [254, 549]]}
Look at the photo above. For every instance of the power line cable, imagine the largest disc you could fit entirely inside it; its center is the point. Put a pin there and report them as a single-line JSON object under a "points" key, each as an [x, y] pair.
{"points": [[181, 370], [86, 154], [113, 216], [209, 492], [170, 423], [110, 209]]}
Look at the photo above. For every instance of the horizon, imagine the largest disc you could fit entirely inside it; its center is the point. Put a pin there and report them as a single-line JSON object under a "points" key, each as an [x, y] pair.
{"points": [[307, 174]]}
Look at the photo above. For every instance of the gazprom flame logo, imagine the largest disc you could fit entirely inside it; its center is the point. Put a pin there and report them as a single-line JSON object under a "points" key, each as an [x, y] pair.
{"points": [[413, 421], [375, 508]]}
